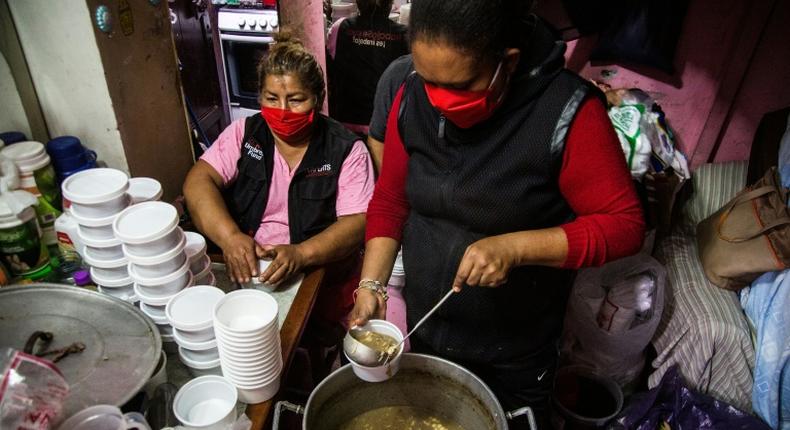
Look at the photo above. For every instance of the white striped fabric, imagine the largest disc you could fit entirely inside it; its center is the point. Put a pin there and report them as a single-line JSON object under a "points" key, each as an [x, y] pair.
{"points": [[703, 329]]}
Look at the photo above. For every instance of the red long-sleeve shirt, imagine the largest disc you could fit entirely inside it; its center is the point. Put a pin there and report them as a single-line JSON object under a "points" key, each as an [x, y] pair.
{"points": [[593, 179]]}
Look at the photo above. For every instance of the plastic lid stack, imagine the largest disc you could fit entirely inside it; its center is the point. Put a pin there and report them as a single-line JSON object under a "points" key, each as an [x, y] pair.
{"points": [[199, 261], [190, 313], [95, 198], [155, 248]]}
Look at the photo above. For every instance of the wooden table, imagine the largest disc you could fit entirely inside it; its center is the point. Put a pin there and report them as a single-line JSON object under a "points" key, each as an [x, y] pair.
{"points": [[290, 334]]}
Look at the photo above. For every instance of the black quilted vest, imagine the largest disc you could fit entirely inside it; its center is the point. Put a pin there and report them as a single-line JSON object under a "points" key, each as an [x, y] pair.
{"points": [[313, 189], [497, 177]]}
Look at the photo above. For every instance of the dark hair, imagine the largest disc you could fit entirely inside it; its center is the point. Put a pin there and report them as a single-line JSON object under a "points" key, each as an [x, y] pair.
{"points": [[480, 27], [374, 7], [288, 56]]}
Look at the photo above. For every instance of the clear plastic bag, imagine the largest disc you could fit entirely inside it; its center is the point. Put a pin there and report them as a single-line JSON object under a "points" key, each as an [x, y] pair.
{"points": [[32, 391], [613, 312]]}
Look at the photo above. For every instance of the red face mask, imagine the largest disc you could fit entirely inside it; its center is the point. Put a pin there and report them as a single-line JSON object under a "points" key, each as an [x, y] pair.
{"points": [[465, 108], [285, 124]]}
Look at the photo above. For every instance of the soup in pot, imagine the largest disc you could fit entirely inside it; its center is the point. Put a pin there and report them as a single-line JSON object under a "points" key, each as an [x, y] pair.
{"points": [[400, 418]]}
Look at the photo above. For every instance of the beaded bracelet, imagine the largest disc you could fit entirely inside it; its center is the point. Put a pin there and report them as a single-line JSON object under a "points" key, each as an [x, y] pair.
{"points": [[372, 285]]}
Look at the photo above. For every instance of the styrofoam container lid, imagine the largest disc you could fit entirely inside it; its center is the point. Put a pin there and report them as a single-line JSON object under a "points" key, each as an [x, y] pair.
{"points": [[156, 259], [193, 308], [104, 264], [111, 283], [28, 156], [94, 186], [94, 222], [145, 222], [170, 277], [157, 315], [102, 243], [144, 189], [196, 245]]}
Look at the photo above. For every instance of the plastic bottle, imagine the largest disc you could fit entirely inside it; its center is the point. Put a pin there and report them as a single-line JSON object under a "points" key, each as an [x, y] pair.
{"points": [[21, 246], [82, 278], [69, 241]]}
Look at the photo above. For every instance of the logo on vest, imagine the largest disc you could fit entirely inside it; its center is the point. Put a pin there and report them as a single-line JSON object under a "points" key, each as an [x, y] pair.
{"points": [[253, 150], [324, 170]]}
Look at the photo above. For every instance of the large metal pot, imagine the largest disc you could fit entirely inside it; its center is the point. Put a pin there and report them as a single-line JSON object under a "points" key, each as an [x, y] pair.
{"points": [[440, 386]]}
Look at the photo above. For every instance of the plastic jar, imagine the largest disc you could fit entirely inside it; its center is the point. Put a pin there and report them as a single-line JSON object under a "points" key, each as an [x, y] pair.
{"points": [[23, 252]]}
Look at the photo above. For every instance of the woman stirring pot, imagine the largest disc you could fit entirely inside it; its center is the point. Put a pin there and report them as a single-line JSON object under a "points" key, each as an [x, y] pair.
{"points": [[501, 175]]}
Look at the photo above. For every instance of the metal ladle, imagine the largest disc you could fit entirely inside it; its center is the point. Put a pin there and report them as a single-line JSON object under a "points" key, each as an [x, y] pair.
{"points": [[366, 355]]}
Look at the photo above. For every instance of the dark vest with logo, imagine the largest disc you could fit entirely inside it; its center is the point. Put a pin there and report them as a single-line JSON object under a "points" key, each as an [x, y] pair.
{"points": [[365, 47], [497, 177], [313, 190]]}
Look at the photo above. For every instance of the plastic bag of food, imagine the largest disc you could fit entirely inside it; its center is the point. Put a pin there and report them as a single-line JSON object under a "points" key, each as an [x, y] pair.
{"points": [[32, 391]]}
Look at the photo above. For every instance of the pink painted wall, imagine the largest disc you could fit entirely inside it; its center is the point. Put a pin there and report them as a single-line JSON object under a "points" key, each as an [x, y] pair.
{"points": [[732, 65]]}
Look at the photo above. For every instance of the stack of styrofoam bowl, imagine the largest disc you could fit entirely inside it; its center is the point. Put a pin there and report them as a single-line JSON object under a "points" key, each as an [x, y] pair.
{"points": [[199, 261], [248, 339], [154, 245], [96, 197], [190, 313]]}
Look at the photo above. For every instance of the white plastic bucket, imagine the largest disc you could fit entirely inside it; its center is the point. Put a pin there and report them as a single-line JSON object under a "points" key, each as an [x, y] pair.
{"points": [[97, 193], [144, 190]]}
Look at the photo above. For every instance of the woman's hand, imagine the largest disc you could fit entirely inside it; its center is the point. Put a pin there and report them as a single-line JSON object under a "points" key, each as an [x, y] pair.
{"points": [[287, 260], [486, 263], [368, 305], [239, 251]]}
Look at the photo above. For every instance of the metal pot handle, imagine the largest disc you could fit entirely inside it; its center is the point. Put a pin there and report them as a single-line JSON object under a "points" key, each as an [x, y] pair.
{"points": [[297, 409], [526, 410]]}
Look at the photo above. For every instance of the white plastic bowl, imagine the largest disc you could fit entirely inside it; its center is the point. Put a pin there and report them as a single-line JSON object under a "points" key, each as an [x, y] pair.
{"points": [[165, 290], [246, 311], [152, 259], [387, 371], [204, 335], [206, 403], [267, 332], [95, 229], [156, 313], [204, 359], [193, 308], [152, 300], [203, 273], [167, 264], [143, 189], [252, 395], [195, 346], [209, 279], [113, 283], [124, 293], [107, 270], [104, 253], [200, 266], [175, 280], [148, 228], [196, 245], [97, 193]]}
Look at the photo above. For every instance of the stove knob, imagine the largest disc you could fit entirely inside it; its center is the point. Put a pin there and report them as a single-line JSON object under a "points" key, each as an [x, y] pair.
{"points": [[253, 24], [242, 23], [273, 22], [262, 23]]}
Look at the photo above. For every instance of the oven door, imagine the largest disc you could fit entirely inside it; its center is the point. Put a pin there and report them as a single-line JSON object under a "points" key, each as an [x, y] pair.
{"points": [[241, 54]]}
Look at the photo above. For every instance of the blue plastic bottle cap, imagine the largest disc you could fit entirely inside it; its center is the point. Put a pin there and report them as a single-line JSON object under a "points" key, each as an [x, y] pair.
{"points": [[12, 137]]}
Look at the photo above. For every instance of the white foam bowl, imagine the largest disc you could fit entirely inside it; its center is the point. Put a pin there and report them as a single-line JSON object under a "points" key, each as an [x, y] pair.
{"points": [[196, 245], [193, 309], [200, 265], [245, 311], [195, 335], [204, 359], [148, 229], [387, 371], [125, 293], [107, 270], [143, 189], [252, 369], [261, 377], [156, 313], [206, 403], [203, 345], [252, 337], [262, 351], [259, 394], [96, 193], [175, 280], [167, 264]]}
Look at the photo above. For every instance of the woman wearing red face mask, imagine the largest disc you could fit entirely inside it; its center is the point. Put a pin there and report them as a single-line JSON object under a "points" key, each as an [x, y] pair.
{"points": [[501, 175], [288, 184]]}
